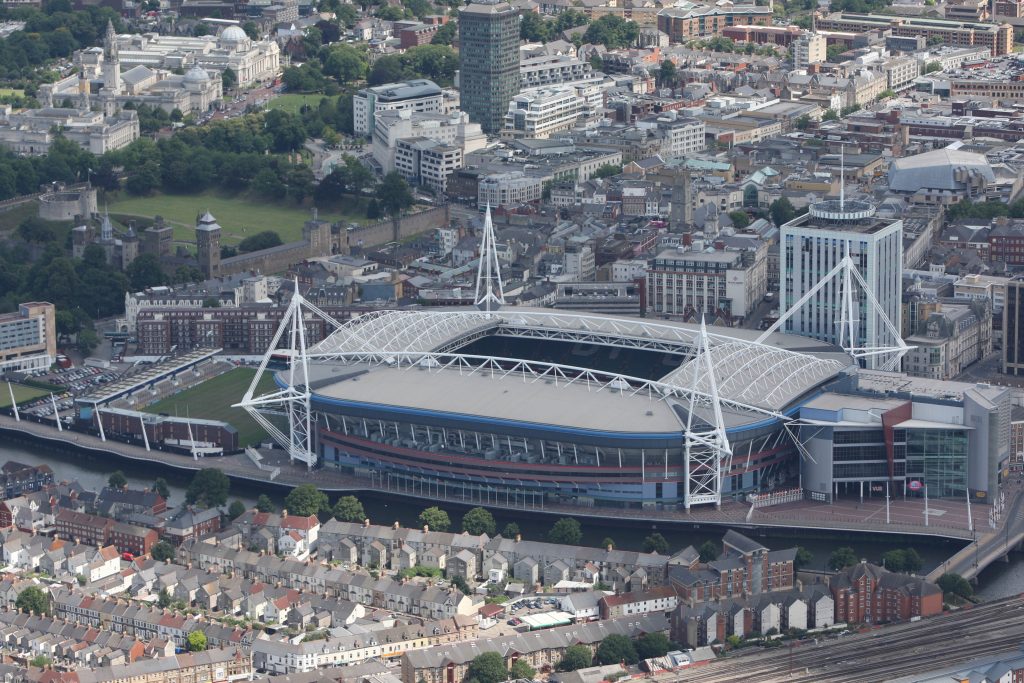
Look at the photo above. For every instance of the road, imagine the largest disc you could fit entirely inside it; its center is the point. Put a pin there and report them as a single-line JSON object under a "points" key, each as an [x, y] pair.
{"points": [[879, 654], [989, 546]]}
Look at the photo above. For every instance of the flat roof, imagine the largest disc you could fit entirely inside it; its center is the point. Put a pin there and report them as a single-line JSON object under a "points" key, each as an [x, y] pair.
{"points": [[482, 396]]}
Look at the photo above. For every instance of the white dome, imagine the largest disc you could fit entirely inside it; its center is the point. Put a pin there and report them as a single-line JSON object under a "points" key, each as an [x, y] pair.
{"points": [[196, 75], [233, 34]]}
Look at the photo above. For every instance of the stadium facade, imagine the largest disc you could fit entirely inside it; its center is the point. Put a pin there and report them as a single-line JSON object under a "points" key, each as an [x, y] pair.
{"points": [[532, 407]]}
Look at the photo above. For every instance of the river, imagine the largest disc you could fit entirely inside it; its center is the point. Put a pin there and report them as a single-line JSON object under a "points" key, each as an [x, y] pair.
{"points": [[91, 472]]}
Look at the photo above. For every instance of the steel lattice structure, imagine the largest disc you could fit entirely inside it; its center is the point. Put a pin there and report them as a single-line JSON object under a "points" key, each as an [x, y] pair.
{"points": [[721, 375]]}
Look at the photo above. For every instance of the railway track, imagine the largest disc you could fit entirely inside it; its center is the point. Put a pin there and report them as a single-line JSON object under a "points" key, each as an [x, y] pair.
{"points": [[880, 654]]}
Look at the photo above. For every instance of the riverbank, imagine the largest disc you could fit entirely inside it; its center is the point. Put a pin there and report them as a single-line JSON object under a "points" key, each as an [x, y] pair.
{"points": [[91, 471], [802, 519]]}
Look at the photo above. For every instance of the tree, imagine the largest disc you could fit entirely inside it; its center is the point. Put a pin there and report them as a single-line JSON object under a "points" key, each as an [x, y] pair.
{"points": [[842, 558], [954, 584], [656, 543], [117, 480], [144, 272], [209, 487], [739, 219], [345, 64], [236, 509], [613, 32], [163, 599], [386, 69], [36, 231], [460, 583], [479, 521], [228, 78], [782, 211], [802, 122], [348, 509], [932, 67], [251, 30], [894, 560], [534, 28], [446, 34], [511, 530], [196, 641], [576, 657], [885, 95], [162, 551], [33, 600], [40, 661], [521, 669], [652, 645], [488, 667], [912, 561], [608, 542], [373, 211], [566, 531], [667, 73], [394, 194], [803, 557], [830, 115], [86, 341], [161, 488], [436, 518], [306, 500], [607, 171], [708, 551], [616, 648], [264, 504], [261, 240]]}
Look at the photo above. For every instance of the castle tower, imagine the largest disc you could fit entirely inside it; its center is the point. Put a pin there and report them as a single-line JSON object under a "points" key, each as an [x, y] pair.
{"points": [[208, 245], [111, 62], [106, 228]]}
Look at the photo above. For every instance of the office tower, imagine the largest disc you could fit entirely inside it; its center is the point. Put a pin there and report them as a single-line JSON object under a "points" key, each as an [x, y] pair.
{"points": [[488, 62], [1013, 328], [812, 246]]}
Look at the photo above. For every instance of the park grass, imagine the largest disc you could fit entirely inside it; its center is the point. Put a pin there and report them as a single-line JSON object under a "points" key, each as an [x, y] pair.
{"points": [[212, 400], [239, 216], [294, 103], [15, 92], [22, 394], [11, 218]]}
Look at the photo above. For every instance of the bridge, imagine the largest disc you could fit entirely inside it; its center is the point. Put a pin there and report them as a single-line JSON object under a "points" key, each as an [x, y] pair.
{"points": [[995, 544]]}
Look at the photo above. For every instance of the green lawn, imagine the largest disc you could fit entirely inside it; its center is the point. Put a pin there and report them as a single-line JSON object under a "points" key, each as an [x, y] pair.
{"points": [[22, 394], [212, 400], [239, 216], [293, 103], [12, 217]]}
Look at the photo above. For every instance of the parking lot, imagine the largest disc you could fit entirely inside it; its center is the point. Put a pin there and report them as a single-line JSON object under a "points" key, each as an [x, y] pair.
{"points": [[511, 622], [75, 382]]}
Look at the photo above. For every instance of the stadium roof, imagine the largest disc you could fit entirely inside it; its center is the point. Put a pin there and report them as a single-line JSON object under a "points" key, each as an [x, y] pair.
{"points": [[765, 377], [937, 170]]}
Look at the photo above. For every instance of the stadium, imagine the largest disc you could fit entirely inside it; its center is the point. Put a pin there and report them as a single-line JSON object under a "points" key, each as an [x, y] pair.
{"points": [[533, 407]]}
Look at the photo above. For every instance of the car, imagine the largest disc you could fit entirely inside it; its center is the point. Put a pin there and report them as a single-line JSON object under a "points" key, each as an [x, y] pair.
{"points": [[512, 622], [127, 557]]}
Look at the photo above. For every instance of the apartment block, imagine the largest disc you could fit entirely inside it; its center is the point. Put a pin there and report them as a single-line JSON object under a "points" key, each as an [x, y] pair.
{"points": [[28, 337]]}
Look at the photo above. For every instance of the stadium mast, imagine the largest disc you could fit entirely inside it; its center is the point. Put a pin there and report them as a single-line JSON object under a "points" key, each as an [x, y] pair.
{"points": [[489, 290]]}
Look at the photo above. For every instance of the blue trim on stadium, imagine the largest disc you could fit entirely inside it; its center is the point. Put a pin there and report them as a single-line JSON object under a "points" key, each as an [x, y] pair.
{"points": [[436, 414]]}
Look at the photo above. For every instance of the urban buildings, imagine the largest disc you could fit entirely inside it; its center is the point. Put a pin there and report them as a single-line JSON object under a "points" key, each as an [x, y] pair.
{"points": [[996, 37], [32, 131], [689, 284], [947, 176], [488, 62], [809, 49], [252, 61], [393, 128], [100, 80], [28, 337], [420, 95], [812, 245], [881, 431], [688, 20], [1013, 328], [538, 114]]}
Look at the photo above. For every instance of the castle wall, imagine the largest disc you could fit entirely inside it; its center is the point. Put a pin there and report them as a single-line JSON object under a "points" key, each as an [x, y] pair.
{"points": [[393, 230]]}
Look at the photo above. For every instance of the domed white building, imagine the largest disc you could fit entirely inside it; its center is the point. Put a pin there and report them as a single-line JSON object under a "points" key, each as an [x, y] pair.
{"points": [[252, 61]]}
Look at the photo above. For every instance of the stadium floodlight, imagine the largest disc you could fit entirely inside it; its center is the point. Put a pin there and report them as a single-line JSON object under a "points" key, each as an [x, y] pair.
{"points": [[294, 399]]}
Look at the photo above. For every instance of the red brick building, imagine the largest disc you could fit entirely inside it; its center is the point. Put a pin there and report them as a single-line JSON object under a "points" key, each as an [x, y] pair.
{"points": [[83, 528], [129, 538], [745, 567], [867, 593]]}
